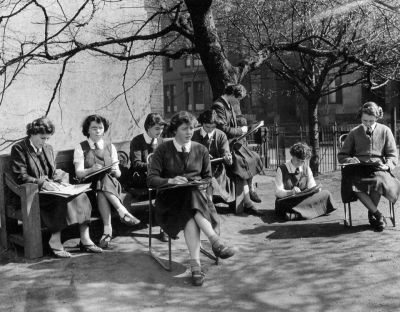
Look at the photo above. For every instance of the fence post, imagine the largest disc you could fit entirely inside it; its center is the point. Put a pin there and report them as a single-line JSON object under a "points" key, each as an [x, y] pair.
{"points": [[276, 144], [335, 142]]}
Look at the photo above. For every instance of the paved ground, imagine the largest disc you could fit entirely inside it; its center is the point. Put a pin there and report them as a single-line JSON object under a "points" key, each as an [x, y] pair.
{"points": [[315, 265]]}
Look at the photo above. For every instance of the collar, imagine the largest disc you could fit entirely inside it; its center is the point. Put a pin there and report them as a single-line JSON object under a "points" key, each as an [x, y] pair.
{"points": [[148, 139], [179, 147], [100, 143], [203, 133], [292, 168], [37, 150], [372, 127]]}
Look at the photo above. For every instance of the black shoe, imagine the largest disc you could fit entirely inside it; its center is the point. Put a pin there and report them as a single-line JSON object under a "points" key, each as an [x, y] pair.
{"points": [[254, 197], [377, 221], [198, 277], [163, 236], [251, 210], [222, 251]]}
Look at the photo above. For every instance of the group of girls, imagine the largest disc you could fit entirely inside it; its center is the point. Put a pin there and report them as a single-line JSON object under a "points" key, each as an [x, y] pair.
{"points": [[188, 157]]}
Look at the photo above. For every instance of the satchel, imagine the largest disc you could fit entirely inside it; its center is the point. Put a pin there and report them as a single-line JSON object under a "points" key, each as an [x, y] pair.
{"points": [[246, 163]]}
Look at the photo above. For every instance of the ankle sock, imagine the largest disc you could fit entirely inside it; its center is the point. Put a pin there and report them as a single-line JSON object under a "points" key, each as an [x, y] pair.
{"points": [[195, 265], [107, 230], [213, 239], [377, 214]]}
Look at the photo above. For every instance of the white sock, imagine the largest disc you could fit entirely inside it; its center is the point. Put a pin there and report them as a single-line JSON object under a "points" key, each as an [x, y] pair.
{"points": [[107, 230]]}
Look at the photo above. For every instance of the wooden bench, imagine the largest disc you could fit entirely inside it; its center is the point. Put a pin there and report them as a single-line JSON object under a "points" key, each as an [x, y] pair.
{"points": [[20, 203], [19, 206]]}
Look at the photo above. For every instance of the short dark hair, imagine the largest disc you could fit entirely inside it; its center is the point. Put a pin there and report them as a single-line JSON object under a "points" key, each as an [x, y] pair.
{"points": [[208, 117], [237, 90], [300, 150], [372, 109], [181, 118], [96, 118], [153, 119], [42, 125]]}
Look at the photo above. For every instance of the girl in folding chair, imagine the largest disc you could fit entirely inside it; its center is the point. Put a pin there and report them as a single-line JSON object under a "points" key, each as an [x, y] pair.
{"points": [[189, 208], [373, 145], [297, 194]]}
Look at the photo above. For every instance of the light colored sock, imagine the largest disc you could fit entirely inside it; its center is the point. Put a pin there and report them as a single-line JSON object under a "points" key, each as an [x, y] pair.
{"points": [[107, 230], [195, 264]]}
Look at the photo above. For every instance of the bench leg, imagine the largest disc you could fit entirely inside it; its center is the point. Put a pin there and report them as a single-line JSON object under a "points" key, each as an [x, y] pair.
{"points": [[392, 214], [32, 231], [347, 220], [239, 196]]}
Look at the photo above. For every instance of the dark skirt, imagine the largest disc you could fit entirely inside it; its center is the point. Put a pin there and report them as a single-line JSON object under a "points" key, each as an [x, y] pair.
{"points": [[382, 182], [308, 207], [246, 163], [108, 184], [175, 207], [223, 186], [58, 212]]}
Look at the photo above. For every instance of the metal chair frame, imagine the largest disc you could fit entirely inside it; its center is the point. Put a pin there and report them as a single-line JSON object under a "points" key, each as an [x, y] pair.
{"points": [[347, 214], [153, 253]]}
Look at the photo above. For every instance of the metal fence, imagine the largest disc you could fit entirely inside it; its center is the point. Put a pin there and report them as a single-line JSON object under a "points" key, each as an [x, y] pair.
{"points": [[273, 143]]}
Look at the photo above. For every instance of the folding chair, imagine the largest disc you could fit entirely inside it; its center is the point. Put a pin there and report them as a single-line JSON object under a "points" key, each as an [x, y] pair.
{"points": [[152, 253], [348, 197]]}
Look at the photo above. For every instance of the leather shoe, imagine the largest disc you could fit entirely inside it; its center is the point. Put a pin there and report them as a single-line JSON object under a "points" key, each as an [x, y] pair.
{"points": [[222, 251], [105, 241], [198, 278], [254, 197], [90, 248], [251, 210], [129, 220], [163, 236], [60, 253]]}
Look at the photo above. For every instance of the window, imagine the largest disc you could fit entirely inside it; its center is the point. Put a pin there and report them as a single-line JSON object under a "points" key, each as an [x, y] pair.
{"points": [[169, 64], [197, 62], [188, 61], [188, 95], [335, 97], [198, 95], [169, 99]]}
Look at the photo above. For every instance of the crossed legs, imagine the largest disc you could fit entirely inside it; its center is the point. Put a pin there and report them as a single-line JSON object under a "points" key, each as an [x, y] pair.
{"points": [[371, 201]]}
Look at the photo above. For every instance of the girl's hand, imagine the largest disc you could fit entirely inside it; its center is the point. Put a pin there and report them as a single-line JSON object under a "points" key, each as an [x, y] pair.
{"points": [[50, 186], [384, 167], [296, 190], [177, 180], [95, 167], [228, 159]]}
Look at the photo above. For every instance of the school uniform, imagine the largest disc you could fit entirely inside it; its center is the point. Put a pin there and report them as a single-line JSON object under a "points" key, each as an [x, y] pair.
{"points": [[141, 146], [30, 165], [218, 146], [87, 153], [373, 145], [175, 207], [310, 206]]}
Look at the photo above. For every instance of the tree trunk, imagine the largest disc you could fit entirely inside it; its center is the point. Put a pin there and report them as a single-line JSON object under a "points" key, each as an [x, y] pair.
{"points": [[219, 70], [314, 134]]}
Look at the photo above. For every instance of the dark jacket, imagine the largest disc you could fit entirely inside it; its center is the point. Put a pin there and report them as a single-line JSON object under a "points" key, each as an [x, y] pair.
{"points": [[226, 118], [139, 150], [25, 163]]}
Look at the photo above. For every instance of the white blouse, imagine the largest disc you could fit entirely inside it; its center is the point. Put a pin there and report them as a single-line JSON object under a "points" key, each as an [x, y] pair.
{"points": [[279, 187]]}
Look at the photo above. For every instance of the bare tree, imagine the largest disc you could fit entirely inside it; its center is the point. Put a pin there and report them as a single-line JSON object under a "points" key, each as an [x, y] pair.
{"points": [[310, 43]]}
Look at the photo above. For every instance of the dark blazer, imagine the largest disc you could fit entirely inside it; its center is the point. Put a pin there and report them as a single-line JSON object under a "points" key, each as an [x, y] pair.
{"points": [[226, 118], [219, 145], [139, 150], [25, 164]]}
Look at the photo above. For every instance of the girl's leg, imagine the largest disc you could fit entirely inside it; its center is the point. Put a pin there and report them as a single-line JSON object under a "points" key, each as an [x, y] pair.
{"points": [[105, 213], [367, 201], [252, 193], [219, 248], [192, 238], [55, 241], [122, 211], [84, 234], [371, 201]]}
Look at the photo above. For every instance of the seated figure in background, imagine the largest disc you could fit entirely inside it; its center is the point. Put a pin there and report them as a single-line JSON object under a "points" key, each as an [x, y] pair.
{"points": [[294, 177]]}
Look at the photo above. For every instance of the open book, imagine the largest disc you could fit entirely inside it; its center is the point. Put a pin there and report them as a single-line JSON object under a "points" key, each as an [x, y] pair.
{"points": [[69, 190], [260, 124], [189, 183], [306, 192], [105, 168]]}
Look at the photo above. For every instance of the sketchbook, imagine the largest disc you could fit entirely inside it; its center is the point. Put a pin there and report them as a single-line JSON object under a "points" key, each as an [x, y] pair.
{"points": [[69, 190], [105, 168], [190, 183], [260, 124], [306, 192], [362, 164]]}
